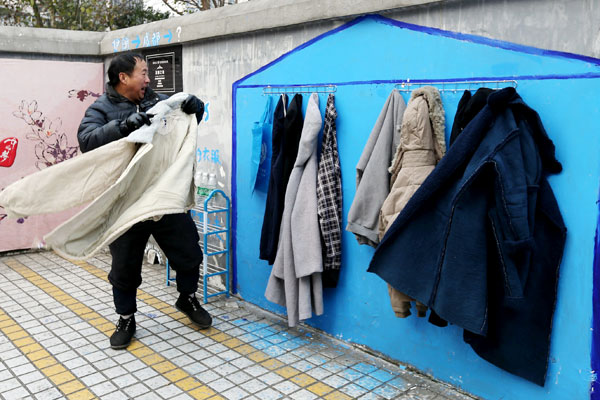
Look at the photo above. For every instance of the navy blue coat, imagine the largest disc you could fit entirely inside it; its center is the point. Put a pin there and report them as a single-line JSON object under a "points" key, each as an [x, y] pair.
{"points": [[287, 129], [485, 225]]}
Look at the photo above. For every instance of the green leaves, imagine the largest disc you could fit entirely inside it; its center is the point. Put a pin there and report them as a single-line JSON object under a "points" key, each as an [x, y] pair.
{"points": [[88, 15]]}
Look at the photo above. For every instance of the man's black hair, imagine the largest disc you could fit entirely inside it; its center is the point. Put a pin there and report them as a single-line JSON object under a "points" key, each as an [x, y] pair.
{"points": [[122, 63]]}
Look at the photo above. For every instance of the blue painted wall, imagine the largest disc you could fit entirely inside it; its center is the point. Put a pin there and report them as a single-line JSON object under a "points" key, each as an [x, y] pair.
{"points": [[364, 59]]}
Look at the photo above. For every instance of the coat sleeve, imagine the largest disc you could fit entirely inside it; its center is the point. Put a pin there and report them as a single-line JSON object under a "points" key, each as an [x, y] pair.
{"points": [[96, 130], [512, 217]]}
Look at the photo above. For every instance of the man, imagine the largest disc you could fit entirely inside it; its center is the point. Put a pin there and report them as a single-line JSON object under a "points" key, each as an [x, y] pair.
{"points": [[114, 115]]}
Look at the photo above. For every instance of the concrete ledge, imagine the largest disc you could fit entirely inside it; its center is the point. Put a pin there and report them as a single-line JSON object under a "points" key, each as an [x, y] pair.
{"points": [[50, 41], [252, 16]]}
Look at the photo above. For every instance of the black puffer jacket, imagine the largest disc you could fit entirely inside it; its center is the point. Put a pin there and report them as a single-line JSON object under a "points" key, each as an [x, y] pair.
{"points": [[101, 122]]}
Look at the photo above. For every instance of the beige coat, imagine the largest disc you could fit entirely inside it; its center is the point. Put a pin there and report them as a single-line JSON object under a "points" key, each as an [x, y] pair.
{"points": [[422, 145], [124, 183]]}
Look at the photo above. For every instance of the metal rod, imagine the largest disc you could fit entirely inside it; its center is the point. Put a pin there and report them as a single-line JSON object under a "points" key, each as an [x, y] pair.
{"points": [[454, 86], [299, 89]]}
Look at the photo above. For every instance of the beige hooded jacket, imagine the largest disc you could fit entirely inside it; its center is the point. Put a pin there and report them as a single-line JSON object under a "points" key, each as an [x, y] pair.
{"points": [[422, 145], [145, 175]]}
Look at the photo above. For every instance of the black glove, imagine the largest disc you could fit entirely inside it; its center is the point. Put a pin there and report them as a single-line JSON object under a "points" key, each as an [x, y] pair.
{"points": [[193, 105], [134, 121]]}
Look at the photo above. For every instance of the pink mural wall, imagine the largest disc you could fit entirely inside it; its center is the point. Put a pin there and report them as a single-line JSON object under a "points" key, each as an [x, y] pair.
{"points": [[41, 105]]}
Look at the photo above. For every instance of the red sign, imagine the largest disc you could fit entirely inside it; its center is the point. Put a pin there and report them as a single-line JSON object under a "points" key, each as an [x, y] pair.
{"points": [[8, 151]]}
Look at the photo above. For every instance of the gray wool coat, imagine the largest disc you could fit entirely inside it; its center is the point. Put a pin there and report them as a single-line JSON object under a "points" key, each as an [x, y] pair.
{"points": [[372, 176], [295, 280]]}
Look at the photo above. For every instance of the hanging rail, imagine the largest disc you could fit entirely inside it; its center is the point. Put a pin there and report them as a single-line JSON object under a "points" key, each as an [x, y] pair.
{"points": [[299, 89], [454, 86]]}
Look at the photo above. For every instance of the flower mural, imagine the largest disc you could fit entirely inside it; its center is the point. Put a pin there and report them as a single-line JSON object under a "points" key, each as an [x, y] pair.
{"points": [[52, 144], [82, 94]]}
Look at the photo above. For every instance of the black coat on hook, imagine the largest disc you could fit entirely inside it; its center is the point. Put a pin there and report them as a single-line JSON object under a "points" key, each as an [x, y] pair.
{"points": [[287, 128]]}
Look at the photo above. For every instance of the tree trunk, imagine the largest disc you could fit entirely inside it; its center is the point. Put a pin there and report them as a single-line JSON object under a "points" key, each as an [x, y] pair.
{"points": [[36, 13]]}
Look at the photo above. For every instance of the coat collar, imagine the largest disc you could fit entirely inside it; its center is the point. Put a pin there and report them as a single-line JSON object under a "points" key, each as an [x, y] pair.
{"points": [[116, 97]]}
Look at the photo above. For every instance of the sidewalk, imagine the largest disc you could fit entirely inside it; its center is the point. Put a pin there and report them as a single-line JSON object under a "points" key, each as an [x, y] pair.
{"points": [[56, 317]]}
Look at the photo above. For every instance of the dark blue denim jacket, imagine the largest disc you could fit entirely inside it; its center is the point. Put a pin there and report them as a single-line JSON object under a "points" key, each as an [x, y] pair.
{"points": [[476, 211]]}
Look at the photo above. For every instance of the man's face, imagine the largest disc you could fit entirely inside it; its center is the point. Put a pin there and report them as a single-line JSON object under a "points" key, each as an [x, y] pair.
{"points": [[135, 84]]}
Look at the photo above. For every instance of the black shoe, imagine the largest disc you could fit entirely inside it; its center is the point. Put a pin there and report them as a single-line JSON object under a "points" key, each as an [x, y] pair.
{"points": [[192, 308], [121, 337]]}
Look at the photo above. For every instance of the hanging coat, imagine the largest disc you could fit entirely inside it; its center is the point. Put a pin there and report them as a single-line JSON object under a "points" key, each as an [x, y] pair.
{"points": [[329, 198], [468, 107], [481, 209], [422, 145], [372, 176], [287, 127], [126, 183], [295, 280]]}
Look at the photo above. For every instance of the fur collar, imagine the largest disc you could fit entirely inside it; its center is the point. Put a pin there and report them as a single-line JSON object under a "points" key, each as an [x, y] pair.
{"points": [[436, 116]]}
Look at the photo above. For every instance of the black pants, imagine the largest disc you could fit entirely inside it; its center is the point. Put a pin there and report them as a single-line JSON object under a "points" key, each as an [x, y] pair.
{"points": [[176, 235]]}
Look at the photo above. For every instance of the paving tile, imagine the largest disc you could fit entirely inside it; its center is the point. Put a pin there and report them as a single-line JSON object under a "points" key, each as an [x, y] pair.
{"points": [[254, 386], [353, 390], [208, 376], [303, 365], [48, 394], [242, 363], [370, 396], [30, 377], [39, 386], [15, 394], [402, 383], [115, 371], [136, 390], [220, 385], [145, 373], [133, 366], [213, 361], [118, 395], [364, 367], [10, 384], [303, 395], [270, 378], [14, 358], [269, 394], [367, 382], [318, 373], [23, 369], [382, 375], [103, 388], [83, 370], [169, 391], [335, 381], [104, 364], [286, 387], [195, 368], [148, 396], [256, 370], [239, 377], [387, 392], [156, 382], [235, 393]]}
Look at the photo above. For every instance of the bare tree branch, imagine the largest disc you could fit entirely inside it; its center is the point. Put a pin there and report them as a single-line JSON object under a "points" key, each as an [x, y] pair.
{"points": [[166, 3]]}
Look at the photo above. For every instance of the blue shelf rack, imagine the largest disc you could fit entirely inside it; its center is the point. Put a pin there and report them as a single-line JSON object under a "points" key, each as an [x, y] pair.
{"points": [[204, 212]]}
